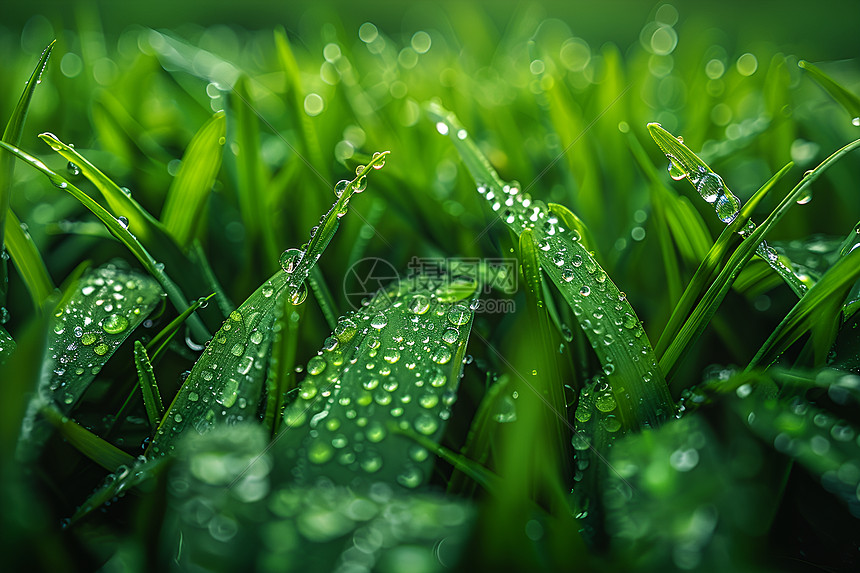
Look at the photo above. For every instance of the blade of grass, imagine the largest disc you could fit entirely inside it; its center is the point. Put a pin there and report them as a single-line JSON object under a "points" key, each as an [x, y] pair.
{"points": [[149, 387], [281, 378], [684, 164], [199, 259], [191, 186], [617, 335], [101, 452], [323, 296], [162, 340], [29, 262], [119, 231], [12, 136], [707, 306], [709, 266], [818, 312], [847, 99]]}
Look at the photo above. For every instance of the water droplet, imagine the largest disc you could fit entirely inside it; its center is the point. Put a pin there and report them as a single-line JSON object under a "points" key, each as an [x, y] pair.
{"points": [[426, 424], [73, 169], [381, 164], [675, 170], [289, 259], [114, 324], [458, 315], [450, 335], [567, 274], [101, 349], [727, 207], [340, 187], [442, 128], [419, 304], [361, 184], [710, 186], [300, 295], [856, 122], [229, 393], [379, 321], [320, 452], [316, 365], [805, 197], [123, 222], [237, 349], [605, 402], [441, 355], [585, 290]]}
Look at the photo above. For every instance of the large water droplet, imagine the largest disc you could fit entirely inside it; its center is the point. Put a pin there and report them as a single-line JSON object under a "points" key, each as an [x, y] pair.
{"points": [[340, 187], [727, 207], [114, 324], [805, 197], [289, 259], [675, 170], [710, 186]]}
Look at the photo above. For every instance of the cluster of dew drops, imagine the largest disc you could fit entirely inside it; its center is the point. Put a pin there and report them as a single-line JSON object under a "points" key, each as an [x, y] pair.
{"points": [[291, 258]]}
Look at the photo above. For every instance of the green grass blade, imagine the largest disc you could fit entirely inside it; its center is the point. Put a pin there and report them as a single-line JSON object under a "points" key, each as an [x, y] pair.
{"points": [[709, 266], [29, 262], [199, 260], [226, 383], [400, 359], [310, 139], [300, 263], [121, 232], [148, 386], [101, 452], [847, 99], [162, 340], [684, 164], [191, 186], [818, 312], [251, 176], [281, 378], [617, 335], [12, 136], [323, 296], [707, 306]]}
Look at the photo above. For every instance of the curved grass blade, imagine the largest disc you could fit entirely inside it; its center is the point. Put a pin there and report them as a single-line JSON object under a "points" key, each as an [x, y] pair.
{"points": [[298, 263], [400, 359], [846, 99], [148, 386], [709, 266], [226, 382], [121, 232], [12, 136], [108, 304], [818, 312], [101, 452], [162, 340], [684, 164], [707, 306], [281, 378], [605, 316], [191, 186], [29, 262]]}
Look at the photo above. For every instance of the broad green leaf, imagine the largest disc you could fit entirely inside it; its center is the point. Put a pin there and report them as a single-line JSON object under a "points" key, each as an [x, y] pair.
{"points": [[148, 386], [226, 383], [817, 312], [119, 230], [396, 361], [847, 99], [108, 304], [605, 316], [191, 186], [18, 246], [275, 524], [29, 262]]}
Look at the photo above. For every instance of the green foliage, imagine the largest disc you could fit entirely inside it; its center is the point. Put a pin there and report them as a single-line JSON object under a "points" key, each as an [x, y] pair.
{"points": [[452, 369]]}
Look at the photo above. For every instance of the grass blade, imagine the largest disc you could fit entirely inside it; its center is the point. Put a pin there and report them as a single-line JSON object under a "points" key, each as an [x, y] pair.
{"points": [[707, 306], [617, 335], [121, 232], [818, 312], [29, 262], [846, 99], [101, 452], [12, 136], [191, 186], [162, 340], [684, 164], [148, 386], [398, 358], [226, 383]]}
